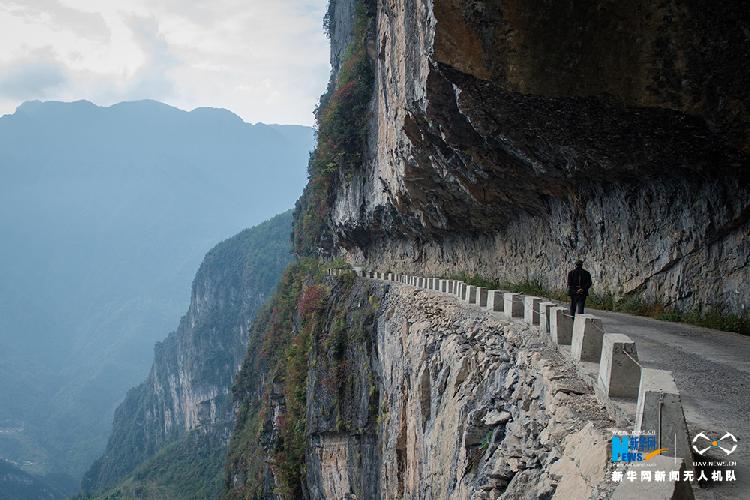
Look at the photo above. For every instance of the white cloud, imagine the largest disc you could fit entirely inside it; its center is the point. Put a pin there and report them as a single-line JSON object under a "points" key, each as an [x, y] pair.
{"points": [[266, 60], [59, 16], [36, 74]]}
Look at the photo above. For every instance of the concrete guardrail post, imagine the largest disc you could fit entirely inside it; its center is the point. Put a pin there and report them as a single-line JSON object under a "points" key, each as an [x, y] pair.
{"points": [[513, 305], [481, 298], [619, 370], [531, 309], [495, 300], [561, 325], [660, 409], [470, 294], [544, 308], [588, 334]]}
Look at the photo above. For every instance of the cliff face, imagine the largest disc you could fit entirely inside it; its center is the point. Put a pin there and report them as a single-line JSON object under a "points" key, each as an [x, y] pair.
{"points": [[186, 396], [508, 139], [468, 407], [409, 395]]}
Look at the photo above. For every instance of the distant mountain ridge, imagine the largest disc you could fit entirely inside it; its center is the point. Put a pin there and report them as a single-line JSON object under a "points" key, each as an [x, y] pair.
{"points": [[105, 215]]}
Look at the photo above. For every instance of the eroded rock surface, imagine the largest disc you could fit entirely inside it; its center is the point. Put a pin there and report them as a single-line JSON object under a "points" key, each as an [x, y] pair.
{"points": [[508, 139], [469, 406]]}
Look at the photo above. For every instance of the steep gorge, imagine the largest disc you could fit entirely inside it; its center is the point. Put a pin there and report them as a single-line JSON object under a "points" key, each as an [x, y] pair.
{"points": [[169, 436], [502, 140]]}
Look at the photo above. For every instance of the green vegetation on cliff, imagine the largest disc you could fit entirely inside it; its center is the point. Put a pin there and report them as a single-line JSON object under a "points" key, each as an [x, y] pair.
{"points": [[315, 337], [274, 373], [169, 436], [342, 129]]}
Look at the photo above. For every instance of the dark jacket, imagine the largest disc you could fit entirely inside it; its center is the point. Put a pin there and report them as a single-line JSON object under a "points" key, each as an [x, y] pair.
{"points": [[579, 279]]}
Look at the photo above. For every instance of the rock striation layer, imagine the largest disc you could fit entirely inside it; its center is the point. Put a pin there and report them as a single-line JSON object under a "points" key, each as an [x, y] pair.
{"points": [[507, 140], [436, 400]]}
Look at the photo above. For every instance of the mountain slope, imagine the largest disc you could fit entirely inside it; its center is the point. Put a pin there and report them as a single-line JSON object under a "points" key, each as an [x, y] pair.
{"points": [[175, 424], [16, 484], [105, 215]]}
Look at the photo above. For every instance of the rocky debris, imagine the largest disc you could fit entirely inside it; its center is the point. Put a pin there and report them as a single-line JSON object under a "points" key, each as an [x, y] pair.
{"points": [[471, 406]]}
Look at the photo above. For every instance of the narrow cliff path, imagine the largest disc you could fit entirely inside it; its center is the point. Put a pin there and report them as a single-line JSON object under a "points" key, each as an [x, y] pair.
{"points": [[712, 371]]}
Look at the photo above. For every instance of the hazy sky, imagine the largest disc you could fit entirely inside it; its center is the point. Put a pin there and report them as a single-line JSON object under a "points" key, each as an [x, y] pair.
{"points": [[266, 60]]}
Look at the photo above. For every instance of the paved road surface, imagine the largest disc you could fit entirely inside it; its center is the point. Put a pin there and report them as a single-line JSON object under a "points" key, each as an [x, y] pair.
{"points": [[712, 371]]}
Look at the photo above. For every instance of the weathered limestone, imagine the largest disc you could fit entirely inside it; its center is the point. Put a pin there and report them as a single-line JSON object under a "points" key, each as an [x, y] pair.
{"points": [[544, 308], [481, 298], [560, 325], [619, 372], [513, 305], [470, 294], [660, 409], [531, 309], [587, 338], [495, 300]]}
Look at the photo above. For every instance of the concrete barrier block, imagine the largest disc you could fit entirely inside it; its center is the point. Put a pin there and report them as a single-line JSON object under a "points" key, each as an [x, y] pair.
{"points": [[660, 408], [619, 372], [587, 338], [459, 289], [471, 294], [513, 305], [481, 298], [544, 308], [389, 277], [531, 309], [443, 285], [561, 325], [495, 300]]}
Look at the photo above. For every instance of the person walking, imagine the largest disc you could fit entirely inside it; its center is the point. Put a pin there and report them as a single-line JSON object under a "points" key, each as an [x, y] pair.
{"points": [[579, 282]]}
